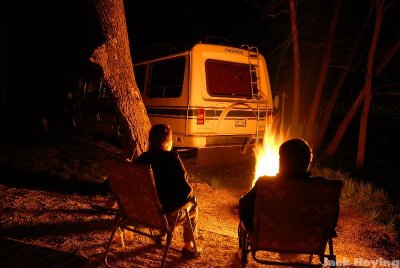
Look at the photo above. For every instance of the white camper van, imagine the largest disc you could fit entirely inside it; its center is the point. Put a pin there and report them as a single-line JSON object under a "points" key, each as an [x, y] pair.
{"points": [[211, 96]]}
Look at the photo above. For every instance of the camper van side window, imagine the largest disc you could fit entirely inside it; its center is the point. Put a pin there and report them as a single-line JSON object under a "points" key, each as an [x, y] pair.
{"points": [[166, 78], [229, 79], [140, 76]]}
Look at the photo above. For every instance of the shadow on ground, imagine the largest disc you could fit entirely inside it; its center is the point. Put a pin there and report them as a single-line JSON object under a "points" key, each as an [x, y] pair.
{"points": [[11, 251], [29, 180]]}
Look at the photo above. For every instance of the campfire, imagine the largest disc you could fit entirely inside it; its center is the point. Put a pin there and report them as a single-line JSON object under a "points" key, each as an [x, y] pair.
{"points": [[267, 154]]}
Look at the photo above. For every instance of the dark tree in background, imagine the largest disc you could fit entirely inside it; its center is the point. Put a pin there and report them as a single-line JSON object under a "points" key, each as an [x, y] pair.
{"points": [[340, 51], [319, 86], [294, 122], [365, 93], [334, 94]]}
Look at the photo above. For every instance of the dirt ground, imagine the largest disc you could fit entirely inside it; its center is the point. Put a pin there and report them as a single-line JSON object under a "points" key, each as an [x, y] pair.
{"points": [[72, 222]]}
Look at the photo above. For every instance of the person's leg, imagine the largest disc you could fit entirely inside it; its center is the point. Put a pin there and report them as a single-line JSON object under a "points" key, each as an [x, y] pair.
{"points": [[188, 250], [187, 231]]}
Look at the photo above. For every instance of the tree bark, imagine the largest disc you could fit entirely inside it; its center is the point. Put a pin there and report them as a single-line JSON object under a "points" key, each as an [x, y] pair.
{"points": [[368, 86], [312, 118], [296, 68], [114, 58]]}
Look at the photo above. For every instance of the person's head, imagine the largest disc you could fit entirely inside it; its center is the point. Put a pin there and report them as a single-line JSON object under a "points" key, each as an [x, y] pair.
{"points": [[160, 137], [295, 156]]}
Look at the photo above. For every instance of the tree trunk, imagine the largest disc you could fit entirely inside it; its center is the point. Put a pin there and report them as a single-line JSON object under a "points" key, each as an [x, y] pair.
{"points": [[390, 53], [312, 118], [114, 58], [296, 69], [335, 92], [368, 85], [356, 105]]}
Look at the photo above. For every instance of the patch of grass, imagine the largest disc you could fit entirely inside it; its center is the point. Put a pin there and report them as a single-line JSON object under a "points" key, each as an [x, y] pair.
{"points": [[363, 197], [215, 183]]}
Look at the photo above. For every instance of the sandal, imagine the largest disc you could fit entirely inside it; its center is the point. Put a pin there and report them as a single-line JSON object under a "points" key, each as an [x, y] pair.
{"points": [[190, 253]]}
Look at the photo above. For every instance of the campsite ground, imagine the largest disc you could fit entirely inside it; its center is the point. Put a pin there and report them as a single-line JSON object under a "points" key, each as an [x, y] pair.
{"points": [[50, 193]]}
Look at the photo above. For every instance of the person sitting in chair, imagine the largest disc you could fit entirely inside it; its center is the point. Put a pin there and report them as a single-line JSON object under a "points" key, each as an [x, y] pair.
{"points": [[171, 181], [295, 157]]}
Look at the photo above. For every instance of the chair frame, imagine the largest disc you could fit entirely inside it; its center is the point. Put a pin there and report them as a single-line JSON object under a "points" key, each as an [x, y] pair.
{"points": [[246, 247], [122, 221]]}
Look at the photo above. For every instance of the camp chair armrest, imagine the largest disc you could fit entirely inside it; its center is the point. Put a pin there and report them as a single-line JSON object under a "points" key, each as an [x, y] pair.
{"points": [[191, 201], [242, 225]]}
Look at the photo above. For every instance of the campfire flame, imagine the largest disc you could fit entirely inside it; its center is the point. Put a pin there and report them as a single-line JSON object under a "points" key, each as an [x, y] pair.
{"points": [[267, 154]]}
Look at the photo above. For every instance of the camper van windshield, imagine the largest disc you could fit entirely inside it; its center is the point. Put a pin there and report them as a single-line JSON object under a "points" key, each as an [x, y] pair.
{"points": [[228, 79]]}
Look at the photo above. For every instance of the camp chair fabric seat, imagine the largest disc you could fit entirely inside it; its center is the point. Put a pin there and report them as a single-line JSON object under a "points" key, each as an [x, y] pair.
{"points": [[293, 216], [134, 189]]}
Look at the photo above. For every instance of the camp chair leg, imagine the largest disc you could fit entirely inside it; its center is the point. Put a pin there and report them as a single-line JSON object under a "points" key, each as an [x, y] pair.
{"points": [[331, 257], [331, 247], [191, 228], [158, 238], [116, 224], [244, 245], [169, 239], [310, 258]]}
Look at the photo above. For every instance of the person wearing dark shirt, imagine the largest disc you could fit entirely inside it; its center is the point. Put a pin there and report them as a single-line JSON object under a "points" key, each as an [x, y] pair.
{"points": [[171, 180], [295, 157]]}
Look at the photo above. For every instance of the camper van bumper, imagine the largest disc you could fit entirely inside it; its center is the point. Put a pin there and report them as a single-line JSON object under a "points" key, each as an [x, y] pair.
{"points": [[215, 141], [229, 140]]}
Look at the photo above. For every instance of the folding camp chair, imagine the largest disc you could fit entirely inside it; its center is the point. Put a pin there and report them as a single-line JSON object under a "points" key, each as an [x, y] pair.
{"points": [[292, 217], [138, 204]]}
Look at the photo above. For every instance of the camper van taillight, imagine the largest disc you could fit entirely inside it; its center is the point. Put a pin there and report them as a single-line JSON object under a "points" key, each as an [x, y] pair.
{"points": [[200, 116]]}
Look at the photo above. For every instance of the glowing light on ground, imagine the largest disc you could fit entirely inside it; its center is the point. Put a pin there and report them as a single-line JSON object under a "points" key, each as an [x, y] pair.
{"points": [[267, 155]]}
